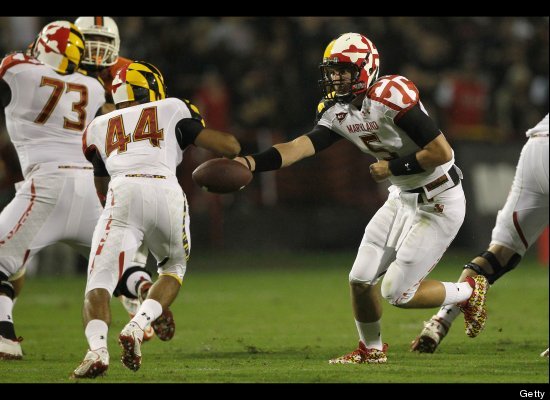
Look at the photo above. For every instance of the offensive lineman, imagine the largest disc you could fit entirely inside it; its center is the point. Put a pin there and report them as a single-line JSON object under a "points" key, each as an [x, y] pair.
{"points": [[425, 208], [519, 223], [47, 106], [135, 151]]}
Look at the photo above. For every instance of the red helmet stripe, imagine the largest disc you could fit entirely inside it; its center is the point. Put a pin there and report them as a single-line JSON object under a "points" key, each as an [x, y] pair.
{"points": [[98, 21]]}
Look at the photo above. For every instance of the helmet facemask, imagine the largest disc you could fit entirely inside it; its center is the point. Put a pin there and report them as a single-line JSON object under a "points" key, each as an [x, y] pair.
{"points": [[340, 81], [100, 50], [102, 41]]}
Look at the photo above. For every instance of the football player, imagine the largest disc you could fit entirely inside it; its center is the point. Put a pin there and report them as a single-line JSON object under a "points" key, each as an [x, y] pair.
{"points": [[135, 151], [101, 60], [403, 242], [519, 223], [47, 105]]}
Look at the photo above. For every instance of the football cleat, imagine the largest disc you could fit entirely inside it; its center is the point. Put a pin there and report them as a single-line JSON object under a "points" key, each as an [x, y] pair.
{"points": [[544, 353], [10, 349], [95, 363], [131, 306], [363, 355], [475, 313], [433, 333], [130, 339]]}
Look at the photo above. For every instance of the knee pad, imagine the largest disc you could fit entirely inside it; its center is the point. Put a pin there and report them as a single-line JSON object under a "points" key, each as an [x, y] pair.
{"points": [[6, 287], [122, 287], [176, 271], [498, 270], [394, 291]]}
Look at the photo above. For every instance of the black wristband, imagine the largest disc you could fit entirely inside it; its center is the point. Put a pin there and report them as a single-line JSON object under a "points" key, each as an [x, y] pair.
{"points": [[407, 165], [247, 163], [268, 160]]}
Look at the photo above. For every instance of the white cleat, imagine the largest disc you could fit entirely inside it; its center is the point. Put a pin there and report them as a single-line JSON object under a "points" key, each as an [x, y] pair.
{"points": [[544, 353], [95, 364], [130, 340], [10, 349], [433, 333]]}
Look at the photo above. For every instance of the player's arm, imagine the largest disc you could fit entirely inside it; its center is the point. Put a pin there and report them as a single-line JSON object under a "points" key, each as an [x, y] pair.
{"points": [[285, 154], [192, 131], [434, 148], [101, 176]]}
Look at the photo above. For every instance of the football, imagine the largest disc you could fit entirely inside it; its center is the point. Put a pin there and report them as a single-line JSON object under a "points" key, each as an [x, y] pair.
{"points": [[222, 175]]}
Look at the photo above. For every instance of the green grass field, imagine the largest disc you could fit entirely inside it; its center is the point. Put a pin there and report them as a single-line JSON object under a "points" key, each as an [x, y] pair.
{"points": [[278, 318]]}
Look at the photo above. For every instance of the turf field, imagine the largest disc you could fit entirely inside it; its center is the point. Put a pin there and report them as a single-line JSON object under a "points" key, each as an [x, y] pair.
{"points": [[278, 318]]}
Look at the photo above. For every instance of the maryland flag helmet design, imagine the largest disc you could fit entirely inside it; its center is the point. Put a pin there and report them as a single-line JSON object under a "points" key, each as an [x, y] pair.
{"points": [[138, 81], [354, 53], [59, 45]]}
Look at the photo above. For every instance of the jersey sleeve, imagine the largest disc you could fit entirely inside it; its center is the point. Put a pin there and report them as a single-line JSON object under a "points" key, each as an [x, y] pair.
{"points": [[12, 60], [397, 93]]}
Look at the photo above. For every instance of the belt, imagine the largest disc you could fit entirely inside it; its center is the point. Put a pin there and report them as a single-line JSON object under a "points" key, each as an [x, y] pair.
{"points": [[539, 135], [438, 182], [145, 176]]}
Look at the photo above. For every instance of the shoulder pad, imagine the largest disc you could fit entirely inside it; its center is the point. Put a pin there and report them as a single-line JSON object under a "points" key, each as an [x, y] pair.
{"points": [[195, 113], [15, 59], [323, 106], [395, 91]]}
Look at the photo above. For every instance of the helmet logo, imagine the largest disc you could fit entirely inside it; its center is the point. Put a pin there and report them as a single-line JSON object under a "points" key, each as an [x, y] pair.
{"points": [[58, 37], [354, 54]]}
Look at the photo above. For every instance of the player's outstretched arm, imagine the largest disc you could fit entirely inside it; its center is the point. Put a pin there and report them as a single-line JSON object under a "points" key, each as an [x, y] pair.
{"points": [[221, 143], [280, 155]]}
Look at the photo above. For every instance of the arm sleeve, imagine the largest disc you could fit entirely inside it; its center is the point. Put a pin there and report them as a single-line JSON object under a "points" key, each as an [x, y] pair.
{"points": [[187, 131], [99, 165], [5, 93], [419, 126], [322, 137]]}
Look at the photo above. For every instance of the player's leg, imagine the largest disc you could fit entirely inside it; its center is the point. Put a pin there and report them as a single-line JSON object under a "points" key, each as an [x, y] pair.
{"points": [[117, 237], [518, 225], [171, 249], [371, 262], [21, 222]]}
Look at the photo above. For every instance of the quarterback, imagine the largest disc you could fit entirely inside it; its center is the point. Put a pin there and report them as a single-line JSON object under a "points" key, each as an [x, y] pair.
{"points": [[405, 239]]}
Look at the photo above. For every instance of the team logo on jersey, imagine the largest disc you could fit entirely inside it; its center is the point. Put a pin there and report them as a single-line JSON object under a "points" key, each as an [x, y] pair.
{"points": [[367, 126], [341, 116], [439, 208]]}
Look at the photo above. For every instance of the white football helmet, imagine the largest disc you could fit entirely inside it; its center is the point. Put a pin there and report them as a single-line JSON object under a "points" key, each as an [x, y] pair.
{"points": [[59, 45], [101, 39], [356, 54]]}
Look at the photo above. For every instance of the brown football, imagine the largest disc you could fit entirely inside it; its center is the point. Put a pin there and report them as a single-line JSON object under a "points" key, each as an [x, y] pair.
{"points": [[222, 175]]}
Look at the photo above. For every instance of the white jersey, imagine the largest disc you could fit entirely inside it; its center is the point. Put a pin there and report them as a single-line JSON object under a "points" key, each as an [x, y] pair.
{"points": [[139, 139], [48, 111], [540, 128], [374, 131]]}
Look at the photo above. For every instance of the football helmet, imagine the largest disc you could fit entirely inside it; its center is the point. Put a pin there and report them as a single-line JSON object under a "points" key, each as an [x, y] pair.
{"points": [[138, 81], [59, 45], [353, 53], [102, 40]]}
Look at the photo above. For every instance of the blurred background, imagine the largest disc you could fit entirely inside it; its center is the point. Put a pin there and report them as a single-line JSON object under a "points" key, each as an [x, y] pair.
{"points": [[484, 80]]}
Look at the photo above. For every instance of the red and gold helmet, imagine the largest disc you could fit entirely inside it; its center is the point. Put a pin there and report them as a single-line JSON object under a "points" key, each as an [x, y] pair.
{"points": [[59, 45], [350, 52], [138, 81]]}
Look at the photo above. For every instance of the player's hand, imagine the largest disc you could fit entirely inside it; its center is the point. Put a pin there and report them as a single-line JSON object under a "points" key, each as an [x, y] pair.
{"points": [[242, 160], [380, 170]]}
